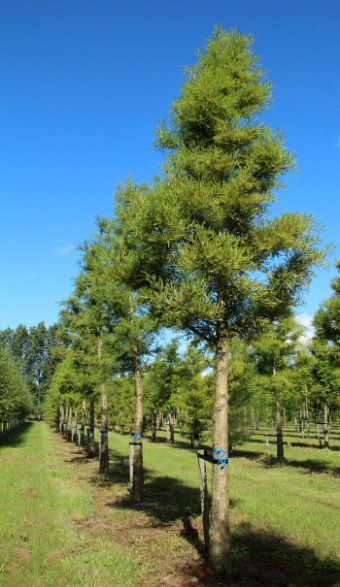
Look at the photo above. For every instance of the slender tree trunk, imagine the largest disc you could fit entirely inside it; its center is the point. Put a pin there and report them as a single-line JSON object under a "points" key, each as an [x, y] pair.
{"points": [[219, 547], [66, 421], [90, 446], [302, 424], [75, 426], [69, 423], [104, 435], [279, 432], [326, 426], [61, 419], [170, 428], [154, 426], [138, 477]]}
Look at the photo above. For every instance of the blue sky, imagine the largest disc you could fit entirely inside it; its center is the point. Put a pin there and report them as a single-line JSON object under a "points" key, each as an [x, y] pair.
{"points": [[82, 87]]}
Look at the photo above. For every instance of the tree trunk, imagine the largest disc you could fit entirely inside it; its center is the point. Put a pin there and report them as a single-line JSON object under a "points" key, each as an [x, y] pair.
{"points": [[104, 434], [90, 446], [137, 474], [279, 433], [66, 421], [154, 426], [75, 426], [160, 420], [69, 423], [170, 429], [219, 547], [61, 419], [326, 426]]}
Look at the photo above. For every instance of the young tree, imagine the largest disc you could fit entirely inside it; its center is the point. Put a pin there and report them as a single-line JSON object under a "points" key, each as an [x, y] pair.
{"points": [[15, 399], [215, 258], [276, 349], [130, 322], [325, 349]]}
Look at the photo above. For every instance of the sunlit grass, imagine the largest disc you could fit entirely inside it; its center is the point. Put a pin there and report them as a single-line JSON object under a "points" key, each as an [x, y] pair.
{"points": [[39, 500], [300, 500]]}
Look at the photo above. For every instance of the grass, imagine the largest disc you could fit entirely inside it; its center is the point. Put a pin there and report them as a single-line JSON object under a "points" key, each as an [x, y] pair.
{"points": [[61, 523], [40, 498]]}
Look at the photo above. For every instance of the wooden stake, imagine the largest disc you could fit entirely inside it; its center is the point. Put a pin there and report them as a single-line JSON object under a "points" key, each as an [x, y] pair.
{"points": [[204, 498]]}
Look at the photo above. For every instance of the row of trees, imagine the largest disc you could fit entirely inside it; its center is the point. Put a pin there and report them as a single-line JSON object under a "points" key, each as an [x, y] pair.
{"points": [[201, 252], [15, 398], [31, 349]]}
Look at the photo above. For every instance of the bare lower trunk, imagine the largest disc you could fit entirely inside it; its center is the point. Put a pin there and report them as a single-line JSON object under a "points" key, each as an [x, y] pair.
{"points": [[326, 426], [74, 426], [279, 432], [219, 547], [61, 419], [137, 489], [104, 438], [81, 430], [69, 423], [90, 446], [66, 421], [104, 434], [170, 428], [154, 427]]}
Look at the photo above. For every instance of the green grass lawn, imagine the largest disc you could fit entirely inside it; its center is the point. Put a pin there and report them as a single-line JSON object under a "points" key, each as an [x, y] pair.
{"points": [[62, 524], [292, 511], [40, 498], [300, 500]]}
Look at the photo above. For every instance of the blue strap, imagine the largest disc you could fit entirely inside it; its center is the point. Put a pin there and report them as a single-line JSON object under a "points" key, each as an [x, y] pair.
{"points": [[222, 458], [137, 435], [103, 432]]}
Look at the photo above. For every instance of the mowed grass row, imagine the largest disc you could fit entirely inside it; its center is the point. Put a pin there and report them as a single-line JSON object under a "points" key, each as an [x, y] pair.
{"points": [[42, 502], [284, 520], [299, 501]]}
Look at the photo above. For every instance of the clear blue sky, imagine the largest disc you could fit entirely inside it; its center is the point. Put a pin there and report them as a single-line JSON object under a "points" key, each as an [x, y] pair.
{"points": [[82, 87]]}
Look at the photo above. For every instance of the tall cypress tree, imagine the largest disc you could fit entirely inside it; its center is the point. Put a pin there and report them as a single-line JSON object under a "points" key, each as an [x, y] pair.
{"points": [[225, 265]]}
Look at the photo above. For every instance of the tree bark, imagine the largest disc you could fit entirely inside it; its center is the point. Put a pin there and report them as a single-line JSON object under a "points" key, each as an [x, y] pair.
{"points": [[90, 446], [170, 428], [219, 547], [279, 432], [61, 419], [154, 426], [66, 421], [104, 434], [326, 426], [137, 476]]}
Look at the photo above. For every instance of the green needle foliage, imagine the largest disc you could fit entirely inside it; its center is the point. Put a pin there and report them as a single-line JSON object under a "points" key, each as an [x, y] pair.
{"points": [[227, 266], [15, 398], [275, 350], [326, 354]]}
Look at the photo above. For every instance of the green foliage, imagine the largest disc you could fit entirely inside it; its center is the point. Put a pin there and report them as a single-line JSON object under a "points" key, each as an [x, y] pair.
{"points": [[325, 349], [15, 399], [33, 351], [225, 260]]}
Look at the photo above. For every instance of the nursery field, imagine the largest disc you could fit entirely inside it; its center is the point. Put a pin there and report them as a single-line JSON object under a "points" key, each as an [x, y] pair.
{"points": [[63, 524]]}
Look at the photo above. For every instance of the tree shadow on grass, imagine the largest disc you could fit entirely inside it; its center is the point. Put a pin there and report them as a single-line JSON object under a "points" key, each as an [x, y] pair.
{"points": [[315, 466], [247, 454], [16, 437], [314, 446], [264, 559], [258, 558]]}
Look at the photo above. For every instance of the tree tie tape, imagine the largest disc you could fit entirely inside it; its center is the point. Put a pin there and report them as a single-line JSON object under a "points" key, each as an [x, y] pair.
{"points": [[222, 458]]}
